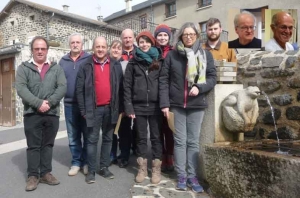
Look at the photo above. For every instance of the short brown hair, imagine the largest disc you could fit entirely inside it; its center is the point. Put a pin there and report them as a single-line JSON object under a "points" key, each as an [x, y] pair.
{"points": [[39, 38], [212, 21]]}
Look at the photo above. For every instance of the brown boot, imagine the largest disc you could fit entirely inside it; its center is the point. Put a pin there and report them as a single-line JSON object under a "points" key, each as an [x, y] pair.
{"points": [[31, 183], [49, 179], [156, 171], [142, 170]]}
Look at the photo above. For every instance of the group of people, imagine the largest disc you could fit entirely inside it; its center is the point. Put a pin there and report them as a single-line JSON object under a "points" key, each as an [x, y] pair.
{"points": [[142, 82], [282, 26]]}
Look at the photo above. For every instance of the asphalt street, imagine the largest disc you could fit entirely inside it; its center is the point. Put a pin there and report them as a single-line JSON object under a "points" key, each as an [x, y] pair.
{"points": [[13, 176]]}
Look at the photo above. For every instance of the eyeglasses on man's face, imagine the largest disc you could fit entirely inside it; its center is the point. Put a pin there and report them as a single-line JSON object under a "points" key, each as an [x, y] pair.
{"points": [[39, 49], [246, 28], [284, 27], [191, 35]]}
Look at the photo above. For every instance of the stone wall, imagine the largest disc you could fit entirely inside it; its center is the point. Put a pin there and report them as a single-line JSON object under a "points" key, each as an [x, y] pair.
{"points": [[54, 54], [25, 22], [278, 75], [236, 172]]}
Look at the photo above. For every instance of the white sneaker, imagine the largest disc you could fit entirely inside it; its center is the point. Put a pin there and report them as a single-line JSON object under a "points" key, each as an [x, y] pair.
{"points": [[73, 170], [85, 169]]}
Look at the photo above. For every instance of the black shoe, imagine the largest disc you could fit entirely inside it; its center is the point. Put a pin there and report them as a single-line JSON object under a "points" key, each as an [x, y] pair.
{"points": [[123, 163], [104, 172], [114, 161], [90, 178]]}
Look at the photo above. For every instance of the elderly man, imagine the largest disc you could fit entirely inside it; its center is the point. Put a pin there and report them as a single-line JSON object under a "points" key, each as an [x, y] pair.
{"points": [[218, 48], [98, 87], [245, 24], [74, 121], [126, 131], [127, 38], [41, 85], [282, 26]]}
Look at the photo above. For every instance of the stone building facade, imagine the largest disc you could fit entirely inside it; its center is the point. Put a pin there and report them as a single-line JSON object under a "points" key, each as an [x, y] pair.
{"points": [[21, 20], [278, 75]]}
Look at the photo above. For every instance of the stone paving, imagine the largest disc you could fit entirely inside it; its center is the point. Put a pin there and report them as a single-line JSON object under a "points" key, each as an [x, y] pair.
{"points": [[165, 189]]}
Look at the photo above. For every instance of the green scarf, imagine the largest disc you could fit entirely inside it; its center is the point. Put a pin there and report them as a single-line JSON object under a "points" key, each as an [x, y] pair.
{"points": [[148, 56]]}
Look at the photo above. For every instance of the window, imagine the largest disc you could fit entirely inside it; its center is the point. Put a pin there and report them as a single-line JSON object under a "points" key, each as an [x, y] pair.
{"points": [[31, 17], [170, 9], [202, 26], [203, 3], [143, 21]]}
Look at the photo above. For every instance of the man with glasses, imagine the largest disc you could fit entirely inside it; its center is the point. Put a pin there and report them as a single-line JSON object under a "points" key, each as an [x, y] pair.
{"points": [[245, 25], [218, 49], [41, 85], [282, 27]]}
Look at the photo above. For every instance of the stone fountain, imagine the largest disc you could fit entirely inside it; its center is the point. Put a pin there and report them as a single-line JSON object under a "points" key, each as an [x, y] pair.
{"points": [[238, 124]]}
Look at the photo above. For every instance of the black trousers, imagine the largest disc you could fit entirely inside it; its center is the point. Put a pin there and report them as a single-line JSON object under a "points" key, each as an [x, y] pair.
{"points": [[126, 138], [141, 123], [40, 131]]}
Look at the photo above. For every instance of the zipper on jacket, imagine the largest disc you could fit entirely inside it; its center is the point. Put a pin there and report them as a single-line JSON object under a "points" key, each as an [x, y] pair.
{"points": [[146, 72], [185, 89]]}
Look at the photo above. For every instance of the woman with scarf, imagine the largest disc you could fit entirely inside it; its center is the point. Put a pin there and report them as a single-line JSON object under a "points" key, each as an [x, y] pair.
{"points": [[187, 75], [162, 35], [141, 102]]}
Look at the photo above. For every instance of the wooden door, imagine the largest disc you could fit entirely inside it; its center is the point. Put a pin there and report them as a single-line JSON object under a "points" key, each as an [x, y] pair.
{"points": [[8, 96]]}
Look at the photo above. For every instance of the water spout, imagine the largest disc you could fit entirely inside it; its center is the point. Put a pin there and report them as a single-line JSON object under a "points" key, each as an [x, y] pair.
{"points": [[275, 126]]}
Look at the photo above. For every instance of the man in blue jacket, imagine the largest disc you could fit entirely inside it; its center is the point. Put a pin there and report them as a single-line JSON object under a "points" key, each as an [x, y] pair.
{"points": [[75, 122]]}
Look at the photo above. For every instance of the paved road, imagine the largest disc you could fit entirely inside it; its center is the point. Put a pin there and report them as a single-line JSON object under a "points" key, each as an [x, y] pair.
{"points": [[13, 174]]}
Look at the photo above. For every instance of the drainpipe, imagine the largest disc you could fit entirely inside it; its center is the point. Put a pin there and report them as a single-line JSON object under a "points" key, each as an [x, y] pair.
{"points": [[47, 27]]}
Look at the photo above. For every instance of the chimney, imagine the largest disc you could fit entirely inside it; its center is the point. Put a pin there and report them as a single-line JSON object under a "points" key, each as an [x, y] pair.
{"points": [[100, 18], [65, 8], [128, 5]]}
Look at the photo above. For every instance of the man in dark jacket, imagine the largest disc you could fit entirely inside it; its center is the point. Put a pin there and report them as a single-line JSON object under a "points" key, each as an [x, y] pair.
{"points": [[41, 85], [74, 121], [98, 92]]}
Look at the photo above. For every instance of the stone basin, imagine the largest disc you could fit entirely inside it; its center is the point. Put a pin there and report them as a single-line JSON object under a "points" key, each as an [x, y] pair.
{"points": [[235, 169]]}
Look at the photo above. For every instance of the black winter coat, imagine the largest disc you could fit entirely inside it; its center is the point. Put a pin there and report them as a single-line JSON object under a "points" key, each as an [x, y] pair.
{"points": [[85, 90], [173, 86], [141, 95]]}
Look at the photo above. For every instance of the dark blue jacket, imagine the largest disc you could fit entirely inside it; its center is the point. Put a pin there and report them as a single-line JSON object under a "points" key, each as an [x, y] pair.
{"points": [[71, 69], [85, 90]]}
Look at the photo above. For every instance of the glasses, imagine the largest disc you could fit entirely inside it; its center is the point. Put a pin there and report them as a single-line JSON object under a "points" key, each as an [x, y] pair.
{"points": [[284, 27], [191, 35], [38, 49], [245, 28]]}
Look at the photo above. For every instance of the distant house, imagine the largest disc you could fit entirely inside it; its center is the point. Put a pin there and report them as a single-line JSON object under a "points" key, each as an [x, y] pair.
{"points": [[22, 20]]}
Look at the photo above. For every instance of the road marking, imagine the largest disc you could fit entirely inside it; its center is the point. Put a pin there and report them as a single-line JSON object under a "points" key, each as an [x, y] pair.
{"points": [[20, 144]]}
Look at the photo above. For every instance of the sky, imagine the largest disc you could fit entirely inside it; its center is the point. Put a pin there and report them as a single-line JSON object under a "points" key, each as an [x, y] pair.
{"points": [[86, 8]]}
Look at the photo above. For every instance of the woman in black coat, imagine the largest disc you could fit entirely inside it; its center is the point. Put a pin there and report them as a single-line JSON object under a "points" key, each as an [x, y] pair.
{"points": [[141, 102]]}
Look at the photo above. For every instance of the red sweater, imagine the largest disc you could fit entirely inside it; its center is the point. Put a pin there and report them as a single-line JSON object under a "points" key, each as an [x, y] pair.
{"points": [[102, 82]]}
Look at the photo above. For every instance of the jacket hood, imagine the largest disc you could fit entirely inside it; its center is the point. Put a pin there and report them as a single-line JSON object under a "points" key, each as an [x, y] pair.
{"points": [[84, 56], [32, 66]]}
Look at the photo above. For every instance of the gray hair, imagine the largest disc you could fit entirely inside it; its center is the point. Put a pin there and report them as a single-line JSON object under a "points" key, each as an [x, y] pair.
{"points": [[75, 34], [178, 35], [237, 17]]}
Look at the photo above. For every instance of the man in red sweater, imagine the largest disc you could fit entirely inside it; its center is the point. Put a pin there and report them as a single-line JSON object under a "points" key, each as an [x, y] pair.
{"points": [[98, 83]]}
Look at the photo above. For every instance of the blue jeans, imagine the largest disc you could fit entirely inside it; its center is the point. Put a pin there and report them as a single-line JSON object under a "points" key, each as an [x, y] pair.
{"points": [[76, 125], [186, 140], [102, 120]]}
